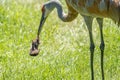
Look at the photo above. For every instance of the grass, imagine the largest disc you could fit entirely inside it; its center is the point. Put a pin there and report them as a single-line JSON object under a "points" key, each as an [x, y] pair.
{"points": [[64, 49]]}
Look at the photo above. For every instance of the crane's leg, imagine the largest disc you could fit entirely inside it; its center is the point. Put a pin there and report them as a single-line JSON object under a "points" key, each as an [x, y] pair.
{"points": [[102, 45], [88, 21]]}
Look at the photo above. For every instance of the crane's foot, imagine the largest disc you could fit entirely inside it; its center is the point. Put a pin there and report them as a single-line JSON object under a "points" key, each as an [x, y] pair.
{"points": [[34, 49]]}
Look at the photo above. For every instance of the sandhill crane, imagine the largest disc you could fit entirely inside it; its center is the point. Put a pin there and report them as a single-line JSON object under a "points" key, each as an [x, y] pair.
{"points": [[98, 9]]}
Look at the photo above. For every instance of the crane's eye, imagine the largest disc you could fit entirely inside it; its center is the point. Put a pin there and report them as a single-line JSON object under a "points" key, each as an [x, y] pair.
{"points": [[43, 8]]}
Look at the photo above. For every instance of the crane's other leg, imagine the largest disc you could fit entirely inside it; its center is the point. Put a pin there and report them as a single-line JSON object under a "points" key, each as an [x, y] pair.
{"points": [[102, 45], [88, 21]]}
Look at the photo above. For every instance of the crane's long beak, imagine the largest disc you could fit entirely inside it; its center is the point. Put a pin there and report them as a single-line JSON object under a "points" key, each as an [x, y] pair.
{"points": [[42, 21]]}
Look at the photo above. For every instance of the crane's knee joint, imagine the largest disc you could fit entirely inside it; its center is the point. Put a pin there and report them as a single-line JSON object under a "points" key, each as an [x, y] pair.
{"points": [[92, 47], [102, 46]]}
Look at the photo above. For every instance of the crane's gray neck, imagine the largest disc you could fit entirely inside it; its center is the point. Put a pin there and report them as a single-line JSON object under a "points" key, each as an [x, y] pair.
{"points": [[56, 4]]}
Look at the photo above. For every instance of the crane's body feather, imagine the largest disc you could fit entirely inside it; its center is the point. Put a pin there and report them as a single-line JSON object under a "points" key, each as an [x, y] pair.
{"points": [[89, 9], [97, 9]]}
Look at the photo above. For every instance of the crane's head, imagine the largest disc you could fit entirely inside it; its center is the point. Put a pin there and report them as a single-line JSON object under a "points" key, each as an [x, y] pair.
{"points": [[47, 8]]}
